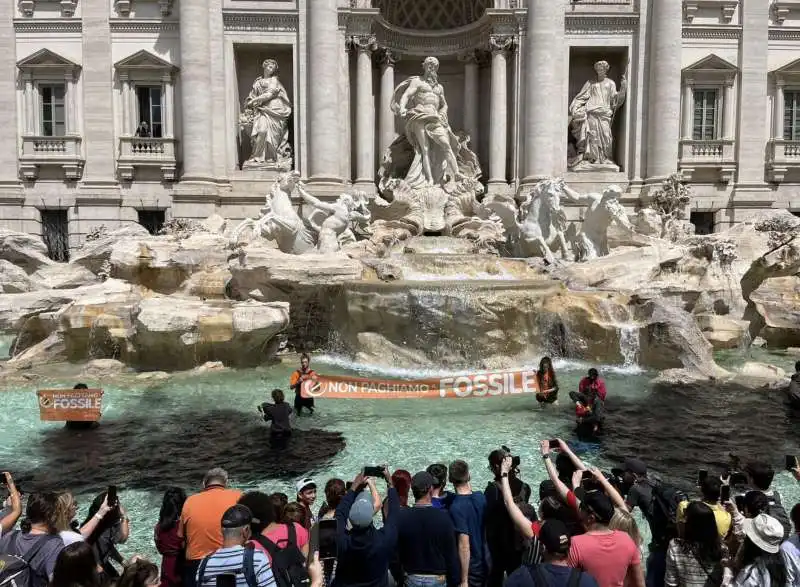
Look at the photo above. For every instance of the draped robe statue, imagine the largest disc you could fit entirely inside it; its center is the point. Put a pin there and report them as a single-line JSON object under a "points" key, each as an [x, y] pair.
{"points": [[591, 117], [266, 112]]}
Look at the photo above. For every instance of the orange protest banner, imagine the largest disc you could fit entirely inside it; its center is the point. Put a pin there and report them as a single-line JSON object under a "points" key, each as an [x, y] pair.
{"points": [[454, 387], [70, 405]]}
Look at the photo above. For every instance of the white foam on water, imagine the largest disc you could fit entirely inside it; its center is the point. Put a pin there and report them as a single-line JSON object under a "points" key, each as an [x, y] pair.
{"points": [[410, 275], [567, 365]]}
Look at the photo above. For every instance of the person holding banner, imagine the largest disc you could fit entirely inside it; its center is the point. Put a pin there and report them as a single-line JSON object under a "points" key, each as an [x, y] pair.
{"points": [[304, 373], [548, 384]]}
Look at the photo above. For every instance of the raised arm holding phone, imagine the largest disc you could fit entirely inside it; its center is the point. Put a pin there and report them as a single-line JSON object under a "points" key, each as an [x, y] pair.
{"points": [[9, 520]]}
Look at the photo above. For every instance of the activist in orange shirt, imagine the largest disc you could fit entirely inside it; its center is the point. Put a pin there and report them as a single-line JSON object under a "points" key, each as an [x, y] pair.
{"points": [[296, 383], [201, 519]]}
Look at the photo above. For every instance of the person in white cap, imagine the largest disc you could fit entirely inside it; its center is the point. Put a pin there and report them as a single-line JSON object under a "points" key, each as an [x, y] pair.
{"points": [[759, 562], [306, 496]]}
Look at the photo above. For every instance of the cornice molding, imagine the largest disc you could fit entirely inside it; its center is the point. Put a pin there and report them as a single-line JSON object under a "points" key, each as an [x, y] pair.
{"points": [[712, 32], [117, 25], [784, 34], [589, 24], [47, 26], [260, 21]]}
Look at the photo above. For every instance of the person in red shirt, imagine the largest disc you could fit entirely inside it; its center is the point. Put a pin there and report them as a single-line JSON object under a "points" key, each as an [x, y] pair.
{"points": [[304, 373], [593, 385]]}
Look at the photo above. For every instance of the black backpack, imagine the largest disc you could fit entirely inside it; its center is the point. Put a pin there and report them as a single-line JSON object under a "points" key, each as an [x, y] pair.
{"points": [[540, 580], [248, 568], [664, 512], [288, 563], [16, 569], [776, 510]]}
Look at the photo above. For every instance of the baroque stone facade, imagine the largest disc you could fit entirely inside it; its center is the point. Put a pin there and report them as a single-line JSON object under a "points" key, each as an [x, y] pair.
{"points": [[129, 110]]}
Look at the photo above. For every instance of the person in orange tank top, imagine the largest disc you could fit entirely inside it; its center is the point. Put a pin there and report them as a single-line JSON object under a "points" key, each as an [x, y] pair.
{"points": [[548, 384], [296, 381]]}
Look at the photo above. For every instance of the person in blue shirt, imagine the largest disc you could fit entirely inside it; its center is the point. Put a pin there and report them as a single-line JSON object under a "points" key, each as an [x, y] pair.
{"points": [[441, 497], [468, 512], [364, 552], [554, 570]]}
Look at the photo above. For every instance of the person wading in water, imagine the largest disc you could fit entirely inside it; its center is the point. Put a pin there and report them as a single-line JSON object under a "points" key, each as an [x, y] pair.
{"points": [[304, 373]]}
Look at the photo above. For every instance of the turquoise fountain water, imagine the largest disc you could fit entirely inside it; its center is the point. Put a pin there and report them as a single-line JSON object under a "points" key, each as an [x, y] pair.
{"points": [[403, 433]]}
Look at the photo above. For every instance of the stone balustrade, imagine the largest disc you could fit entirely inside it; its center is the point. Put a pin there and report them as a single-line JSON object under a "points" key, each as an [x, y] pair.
{"points": [[782, 156], [716, 154], [40, 151], [146, 152]]}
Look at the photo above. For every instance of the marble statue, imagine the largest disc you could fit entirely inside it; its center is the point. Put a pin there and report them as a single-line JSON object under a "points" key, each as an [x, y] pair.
{"points": [[266, 114], [591, 115], [326, 230], [338, 221], [538, 227], [601, 211]]}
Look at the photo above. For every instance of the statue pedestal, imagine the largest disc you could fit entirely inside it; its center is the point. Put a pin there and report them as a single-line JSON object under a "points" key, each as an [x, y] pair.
{"points": [[596, 181]]}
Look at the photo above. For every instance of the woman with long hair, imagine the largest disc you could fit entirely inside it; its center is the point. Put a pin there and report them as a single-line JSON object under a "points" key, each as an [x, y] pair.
{"points": [[548, 384], [140, 573], [625, 522], [335, 490], [66, 511], [168, 542], [759, 562], [112, 528], [76, 567], [696, 559]]}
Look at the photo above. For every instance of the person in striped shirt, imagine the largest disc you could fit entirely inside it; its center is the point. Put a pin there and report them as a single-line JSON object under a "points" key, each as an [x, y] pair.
{"points": [[239, 564]]}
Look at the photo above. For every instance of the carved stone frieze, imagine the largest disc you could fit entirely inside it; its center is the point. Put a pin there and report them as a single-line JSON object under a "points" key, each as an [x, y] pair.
{"points": [[260, 22]]}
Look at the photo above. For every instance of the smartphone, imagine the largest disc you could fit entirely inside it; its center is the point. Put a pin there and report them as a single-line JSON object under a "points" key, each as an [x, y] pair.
{"points": [[226, 580], [327, 539], [554, 444], [725, 493], [791, 463], [111, 496], [702, 475], [373, 472]]}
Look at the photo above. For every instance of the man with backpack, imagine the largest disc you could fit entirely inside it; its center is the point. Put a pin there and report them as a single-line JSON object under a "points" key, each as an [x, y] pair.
{"points": [[554, 571], [659, 503], [27, 559], [235, 564], [759, 478]]}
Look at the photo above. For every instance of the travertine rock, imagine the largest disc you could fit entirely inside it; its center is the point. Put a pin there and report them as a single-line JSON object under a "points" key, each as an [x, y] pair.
{"points": [[23, 250], [93, 254], [777, 304], [13, 279], [64, 276]]}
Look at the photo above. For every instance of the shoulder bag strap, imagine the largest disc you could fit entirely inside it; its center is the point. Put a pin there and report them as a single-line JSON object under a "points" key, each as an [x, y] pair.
{"points": [[269, 545], [541, 579], [248, 566], [291, 534], [201, 571]]}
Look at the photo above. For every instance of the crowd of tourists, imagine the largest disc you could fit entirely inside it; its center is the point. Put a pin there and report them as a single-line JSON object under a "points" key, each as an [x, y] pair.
{"points": [[429, 529]]}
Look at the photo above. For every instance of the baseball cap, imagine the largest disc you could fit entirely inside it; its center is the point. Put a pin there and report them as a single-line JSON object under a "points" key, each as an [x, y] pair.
{"points": [[237, 516], [305, 483], [361, 512], [422, 482], [547, 489], [765, 532], [636, 466], [555, 536], [597, 503]]}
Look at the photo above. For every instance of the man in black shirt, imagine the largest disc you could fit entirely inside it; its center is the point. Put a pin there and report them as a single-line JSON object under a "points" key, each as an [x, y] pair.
{"points": [[427, 540], [505, 544]]}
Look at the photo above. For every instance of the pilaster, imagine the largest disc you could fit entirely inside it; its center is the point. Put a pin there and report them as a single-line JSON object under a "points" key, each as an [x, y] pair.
{"points": [[8, 98], [500, 46], [471, 96]]}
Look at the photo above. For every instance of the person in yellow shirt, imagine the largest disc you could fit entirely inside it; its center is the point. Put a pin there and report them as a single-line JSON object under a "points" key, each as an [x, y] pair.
{"points": [[710, 489]]}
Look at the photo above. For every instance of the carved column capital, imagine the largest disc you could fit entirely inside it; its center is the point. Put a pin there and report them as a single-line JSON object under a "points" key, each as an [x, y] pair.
{"points": [[362, 43], [386, 57], [504, 43], [473, 57]]}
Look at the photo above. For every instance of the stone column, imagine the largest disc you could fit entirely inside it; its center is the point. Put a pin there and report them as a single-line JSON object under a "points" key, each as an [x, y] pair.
{"points": [[778, 108], [753, 132], [30, 109], [126, 105], [688, 109], [8, 96], [323, 108], [728, 94], [471, 97], [663, 126], [386, 116], [365, 110], [544, 56], [196, 98], [98, 138], [498, 130], [169, 106]]}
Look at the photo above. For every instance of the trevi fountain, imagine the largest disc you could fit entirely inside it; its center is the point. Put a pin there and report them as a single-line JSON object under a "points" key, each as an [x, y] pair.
{"points": [[427, 273]]}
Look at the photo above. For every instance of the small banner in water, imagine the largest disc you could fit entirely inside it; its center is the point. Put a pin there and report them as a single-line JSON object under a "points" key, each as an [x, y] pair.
{"points": [[70, 405], [455, 387]]}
